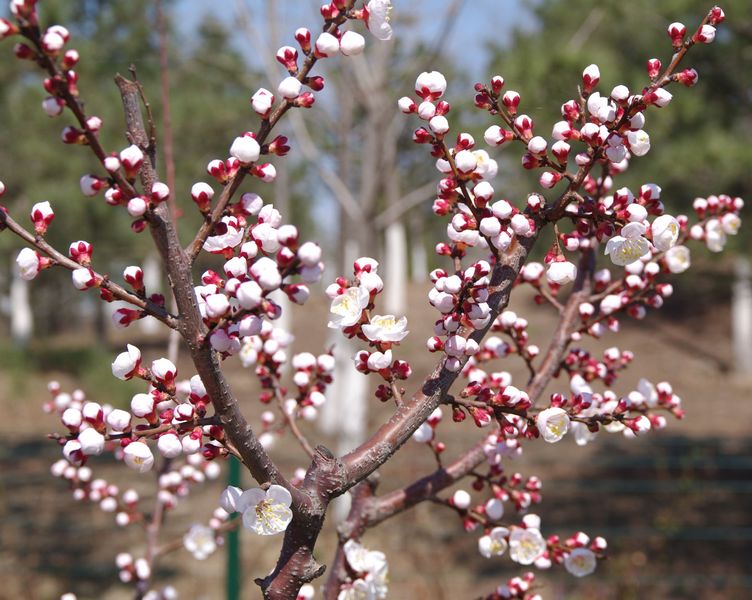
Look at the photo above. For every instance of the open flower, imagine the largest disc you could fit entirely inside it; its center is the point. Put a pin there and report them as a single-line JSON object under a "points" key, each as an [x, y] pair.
{"points": [[678, 259], [373, 571], [377, 19], [265, 512], [665, 230], [629, 246], [495, 543], [580, 562], [138, 456], [386, 328], [526, 545], [347, 308], [553, 424], [200, 541]]}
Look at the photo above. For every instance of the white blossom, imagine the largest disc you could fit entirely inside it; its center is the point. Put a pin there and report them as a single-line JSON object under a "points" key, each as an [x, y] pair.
{"points": [[665, 231], [495, 543], [200, 541], [580, 562], [629, 246], [265, 512], [678, 259], [377, 20], [347, 308], [138, 456], [386, 328], [553, 424], [639, 142], [526, 545]]}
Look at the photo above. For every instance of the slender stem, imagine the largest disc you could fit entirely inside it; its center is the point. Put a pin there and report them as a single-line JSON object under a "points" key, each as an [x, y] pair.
{"points": [[118, 292]]}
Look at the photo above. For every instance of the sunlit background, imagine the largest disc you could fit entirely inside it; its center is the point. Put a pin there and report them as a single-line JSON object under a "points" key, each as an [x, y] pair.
{"points": [[675, 506]]}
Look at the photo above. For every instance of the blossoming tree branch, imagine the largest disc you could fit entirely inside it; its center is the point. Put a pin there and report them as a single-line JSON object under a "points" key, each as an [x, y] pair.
{"points": [[610, 252]]}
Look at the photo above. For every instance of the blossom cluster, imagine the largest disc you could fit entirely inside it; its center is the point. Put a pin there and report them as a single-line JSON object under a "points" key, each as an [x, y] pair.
{"points": [[351, 312], [368, 573]]}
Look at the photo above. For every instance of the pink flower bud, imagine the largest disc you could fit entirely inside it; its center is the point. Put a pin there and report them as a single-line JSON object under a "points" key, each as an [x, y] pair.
{"points": [[164, 370], [41, 215], [52, 42], [217, 305], [266, 172], [326, 45], [287, 56], [131, 159], [246, 149], [127, 363], [92, 442], [705, 35], [262, 102], [430, 85], [289, 88], [676, 32], [7, 29], [169, 445], [72, 419], [142, 405], [72, 452], [549, 179], [134, 276], [653, 67], [352, 43], [590, 78], [137, 206], [159, 192], [119, 420], [407, 105], [52, 106], [81, 252], [537, 145], [84, 278], [303, 37]]}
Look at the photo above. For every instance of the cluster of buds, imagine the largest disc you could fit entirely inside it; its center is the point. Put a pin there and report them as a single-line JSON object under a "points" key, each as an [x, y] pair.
{"points": [[719, 216], [462, 299], [516, 588], [267, 351]]}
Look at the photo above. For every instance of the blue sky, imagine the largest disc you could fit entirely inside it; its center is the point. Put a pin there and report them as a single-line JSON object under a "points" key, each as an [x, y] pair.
{"points": [[479, 21]]}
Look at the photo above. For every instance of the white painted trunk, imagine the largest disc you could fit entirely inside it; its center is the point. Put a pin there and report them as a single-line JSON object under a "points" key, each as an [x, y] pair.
{"points": [[395, 269], [21, 315], [741, 317]]}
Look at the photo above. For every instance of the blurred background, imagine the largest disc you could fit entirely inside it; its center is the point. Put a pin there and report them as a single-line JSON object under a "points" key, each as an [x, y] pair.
{"points": [[675, 506]]}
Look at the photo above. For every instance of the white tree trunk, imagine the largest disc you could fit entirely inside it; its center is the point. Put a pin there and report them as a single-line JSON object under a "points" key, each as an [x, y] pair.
{"points": [[418, 257], [741, 317], [395, 267], [21, 315]]}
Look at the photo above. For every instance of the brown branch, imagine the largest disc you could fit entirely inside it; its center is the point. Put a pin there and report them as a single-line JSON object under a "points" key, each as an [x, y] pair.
{"points": [[290, 419], [120, 293], [190, 325]]}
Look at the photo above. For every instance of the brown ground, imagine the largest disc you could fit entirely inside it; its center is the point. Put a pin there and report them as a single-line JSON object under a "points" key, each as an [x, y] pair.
{"points": [[675, 506]]}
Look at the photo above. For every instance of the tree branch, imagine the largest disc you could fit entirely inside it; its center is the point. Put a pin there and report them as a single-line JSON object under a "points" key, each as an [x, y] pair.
{"points": [[190, 325]]}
